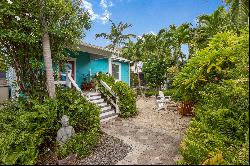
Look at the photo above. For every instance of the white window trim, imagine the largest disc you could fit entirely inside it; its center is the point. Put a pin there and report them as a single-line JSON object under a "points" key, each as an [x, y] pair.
{"points": [[120, 70]]}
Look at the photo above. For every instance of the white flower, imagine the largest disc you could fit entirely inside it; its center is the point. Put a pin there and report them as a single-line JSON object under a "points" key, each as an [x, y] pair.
{"points": [[9, 1], [17, 18]]}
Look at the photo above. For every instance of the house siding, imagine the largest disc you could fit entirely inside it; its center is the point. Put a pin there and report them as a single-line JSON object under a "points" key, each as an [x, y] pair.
{"points": [[84, 65], [99, 65]]}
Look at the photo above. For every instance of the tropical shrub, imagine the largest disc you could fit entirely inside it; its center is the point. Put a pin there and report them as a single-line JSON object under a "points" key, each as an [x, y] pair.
{"points": [[155, 71], [29, 126], [127, 97], [26, 125], [217, 80], [212, 64]]}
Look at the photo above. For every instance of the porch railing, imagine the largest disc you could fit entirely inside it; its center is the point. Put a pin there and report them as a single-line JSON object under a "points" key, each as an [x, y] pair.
{"points": [[71, 82], [113, 99]]}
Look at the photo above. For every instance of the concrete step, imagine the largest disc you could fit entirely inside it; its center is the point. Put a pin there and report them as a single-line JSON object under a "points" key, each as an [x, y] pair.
{"points": [[109, 112], [98, 101], [103, 104], [103, 109], [109, 117], [95, 97], [91, 94]]}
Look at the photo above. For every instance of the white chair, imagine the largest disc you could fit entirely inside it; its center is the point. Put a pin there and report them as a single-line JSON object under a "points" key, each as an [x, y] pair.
{"points": [[161, 100]]}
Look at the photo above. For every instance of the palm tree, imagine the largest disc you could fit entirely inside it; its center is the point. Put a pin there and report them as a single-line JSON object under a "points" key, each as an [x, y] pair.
{"points": [[239, 11], [116, 35], [47, 54]]}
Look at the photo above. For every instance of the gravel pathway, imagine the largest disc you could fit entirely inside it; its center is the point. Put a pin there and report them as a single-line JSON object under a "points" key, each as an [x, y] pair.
{"points": [[108, 152], [154, 136]]}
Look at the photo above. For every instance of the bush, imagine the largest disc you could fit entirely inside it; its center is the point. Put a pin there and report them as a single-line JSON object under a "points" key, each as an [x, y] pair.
{"points": [[26, 125], [217, 80], [127, 99], [127, 96], [29, 125]]}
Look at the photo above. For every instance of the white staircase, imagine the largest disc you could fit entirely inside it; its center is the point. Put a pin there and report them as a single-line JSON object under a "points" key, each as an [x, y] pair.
{"points": [[107, 112]]}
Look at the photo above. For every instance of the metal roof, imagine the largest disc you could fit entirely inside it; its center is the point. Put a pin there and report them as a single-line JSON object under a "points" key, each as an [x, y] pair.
{"points": [[114, 54]]}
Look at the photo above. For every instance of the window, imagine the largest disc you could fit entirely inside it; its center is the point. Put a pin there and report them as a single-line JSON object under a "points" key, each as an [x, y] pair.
{"points": [[116, 73]]}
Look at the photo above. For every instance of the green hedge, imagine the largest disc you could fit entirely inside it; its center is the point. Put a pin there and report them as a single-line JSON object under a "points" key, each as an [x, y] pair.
{"points": [[29, 126], [217, 79], [127, 96]]}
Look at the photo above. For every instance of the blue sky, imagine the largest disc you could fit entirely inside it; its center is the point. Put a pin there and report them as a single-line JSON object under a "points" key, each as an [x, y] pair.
{"points": [[145, 15]]}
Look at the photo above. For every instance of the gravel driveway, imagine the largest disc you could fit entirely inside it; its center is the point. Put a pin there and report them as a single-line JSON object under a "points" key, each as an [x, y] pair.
{"points": [[154, 136]]}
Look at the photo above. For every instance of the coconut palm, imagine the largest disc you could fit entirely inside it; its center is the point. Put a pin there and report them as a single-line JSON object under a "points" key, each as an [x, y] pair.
{"points": [[116, 35], [47, 54], [239, 11]]}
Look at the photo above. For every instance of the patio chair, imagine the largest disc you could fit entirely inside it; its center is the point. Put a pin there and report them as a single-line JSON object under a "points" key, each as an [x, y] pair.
{"points": [[162, 100]]}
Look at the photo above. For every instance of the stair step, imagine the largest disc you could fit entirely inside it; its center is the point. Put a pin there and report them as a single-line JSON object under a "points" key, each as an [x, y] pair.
{"points": [[109, 112], [108, 107], [95, 97], [98, 101], [91, 94], [103, 104], [108, 117]]}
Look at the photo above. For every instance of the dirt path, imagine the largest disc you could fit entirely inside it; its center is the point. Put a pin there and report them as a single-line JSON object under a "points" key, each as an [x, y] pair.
{"points": [[154, 136]]}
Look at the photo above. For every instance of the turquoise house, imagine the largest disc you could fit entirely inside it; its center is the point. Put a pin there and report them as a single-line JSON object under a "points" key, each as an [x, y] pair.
{"points": [[89, 60]]}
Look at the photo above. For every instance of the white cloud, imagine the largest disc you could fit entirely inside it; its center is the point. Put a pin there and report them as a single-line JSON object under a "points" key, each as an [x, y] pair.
{"points": [[104, 17], [89, 8], [151, 32], [105, 4]]}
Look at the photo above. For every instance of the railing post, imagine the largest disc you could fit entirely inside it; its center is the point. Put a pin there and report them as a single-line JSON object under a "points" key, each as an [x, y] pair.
{"points": [[117, 105], [68, 83]]}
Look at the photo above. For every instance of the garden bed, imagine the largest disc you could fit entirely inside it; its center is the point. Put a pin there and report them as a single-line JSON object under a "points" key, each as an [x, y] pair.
{"points": [[108, 151]]}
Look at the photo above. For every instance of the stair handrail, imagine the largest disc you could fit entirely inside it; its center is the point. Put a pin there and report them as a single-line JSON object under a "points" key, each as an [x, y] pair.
{"points": [[108, 88], [70, 80]]}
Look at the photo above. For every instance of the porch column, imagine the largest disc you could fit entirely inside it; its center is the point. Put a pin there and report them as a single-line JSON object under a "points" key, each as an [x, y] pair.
{"points": [[110, 65]]}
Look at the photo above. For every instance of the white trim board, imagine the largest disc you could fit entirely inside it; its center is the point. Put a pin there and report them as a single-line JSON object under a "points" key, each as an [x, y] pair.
{"points": [[73, 59]]}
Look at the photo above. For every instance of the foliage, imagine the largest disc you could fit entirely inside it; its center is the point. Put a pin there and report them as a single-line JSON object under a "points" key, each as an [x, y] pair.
{"points": [[84, 116], [26, 125], [217, 80], [116, 36], [81, 144], [168, 92], [21, 32], [29, 125], [3, 66], [127, 97], [212, 64], [134, 81], [155, 71], [239, 12]]}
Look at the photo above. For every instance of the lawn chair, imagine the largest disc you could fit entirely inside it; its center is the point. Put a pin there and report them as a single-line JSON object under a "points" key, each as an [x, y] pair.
{"points": [[162, 100]]}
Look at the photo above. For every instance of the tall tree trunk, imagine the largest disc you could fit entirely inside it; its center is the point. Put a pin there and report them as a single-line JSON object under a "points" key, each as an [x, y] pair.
{"points": [[48, 65], [139, 82], [47, 53]]}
